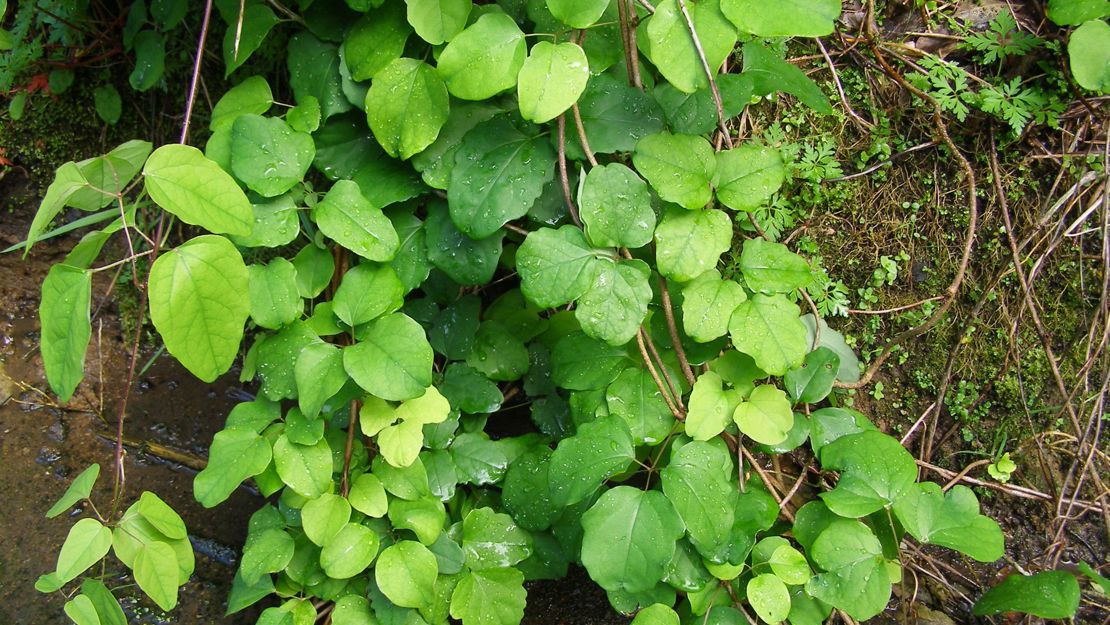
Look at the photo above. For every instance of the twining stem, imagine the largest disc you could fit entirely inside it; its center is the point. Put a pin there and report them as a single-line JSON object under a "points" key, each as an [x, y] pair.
{"points": [[672, 327], [582, 135], [655, 376], [563, 177], [348, 449], [708, 73]]}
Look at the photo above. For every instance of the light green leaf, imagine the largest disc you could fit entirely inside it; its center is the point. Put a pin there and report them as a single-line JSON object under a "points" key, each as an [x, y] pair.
{"points": [[765, 416], [950, 520], [578, 13], [275, 224], [484, 59], [376, 40], [1089, 55], [768, 328], [581, 463], [305, 117], [234, 456], [771, 267], [551, 80], [267, 550], [1075, 12], [66, 327], [1048, 594], [81, 611], [368, 496], [197, 303], [790, 18], [426, 517], [161, 516], [689, 243], [556, 266], [400, 444], [855, 579], [875, 471], [107, 607], [500, 169], [790, 565], [269, 156], [635, 398], [672, 48], [707, 306], [252, 96], [615, 207], [68, 180], [489, 597], [323, 517], [80, 488], [347, 217], [748, 176], [406, 106], [679, 167], [438, 21], [273, 293], [352, 610], [769, 597], [87, 542], [392, 359], [709, 410], [156, 573], [656, 614], [491, 540], [699, 483], [319, 375], [367, 292], [181, 180], [304, 468], [349, 552], [628, 538], [406, 574], [617, 302]]}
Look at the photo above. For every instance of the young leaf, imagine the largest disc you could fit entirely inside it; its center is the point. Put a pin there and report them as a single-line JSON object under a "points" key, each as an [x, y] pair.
{"points": [[323, 517], [349, 552], [672, 48], [710, 409], [791, 18], [707, 306], [376, 40], [406, 574], [66, 327], [269, 156], [234, 456], [790, 565], [951, 520], [679, 167], [578, 13], [347, 217], [368, 291], [489, 597], [88, 541], [769, 597], [107, 607], [658, 614], [438, 21], [551, 80], [156, 573], [556, 266], [615, 206], [855, 579], [81, 611], [875, 472], [392, 359], [698, 482], [368, 496], [768, 329], [406, 106], [765, 416], [1048, 594], [273, 293], [80, 488], [628, 538], [197, 303], [748, 176], [491, 540], [484, 59], [615, 305], [181, 180]]}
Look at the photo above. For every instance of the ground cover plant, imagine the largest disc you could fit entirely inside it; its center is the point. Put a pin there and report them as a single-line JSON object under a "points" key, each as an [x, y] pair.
{"points": [[471, 217]]}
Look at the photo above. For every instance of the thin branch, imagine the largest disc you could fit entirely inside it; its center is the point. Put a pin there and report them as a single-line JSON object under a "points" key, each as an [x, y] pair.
{"points": [[678, 414], [564, 179], [581, 128], [672, 327], [708, 73]]}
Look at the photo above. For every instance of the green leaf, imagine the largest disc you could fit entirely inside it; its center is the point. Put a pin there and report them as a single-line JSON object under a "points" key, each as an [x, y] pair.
{"points": [[273, 293], [765, 416], [400, 444], [304, 468], [748, 176], [466, 261], [244, 595], [197, 303], [1075, 12], [479, 460], [770, 74], [1089, 55], [526, 491], [452, 331], [107, 607], [491, 540], [813, 381], [406, 574], [269, 156], [156, 574], [556, 266], [319, 375], [617, 302], [80, 488], [161, 516], [615, 207], [349, 552], [367, 292], [81, 611], [689, 243], [771, 267], [629, 537], [615, 116], [829, 424], [950, 520], [275, 224], [875, 471], [406, 106], [68, 180], [150, 60], [88, 541], [436, 162], [257, 21], [790, 18], [314, 71], [551, 80], [497, 353], [790, 565], [376, 40], [699, 483], [267, 550], [582, 363], [323, 517], [133, 531], [656, 614], [107, 103], [305, 117], [635, 398], [578, 13], [392, 359], [425, 517], [66, 327], [769, 597], [489, 597], [368, 496], [348, 218], [181, 180], [469, 391], [1048, 594], [672, 49], [679, 167], [234, 456], [438, 21], [709, 410], [707, 306], [855, 579], [500, 169], [250, 97], [768, 328], [484, 59], [581, 463]]}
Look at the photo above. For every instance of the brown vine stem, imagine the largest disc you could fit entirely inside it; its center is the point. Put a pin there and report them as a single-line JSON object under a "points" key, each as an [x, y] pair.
{"points": [[564, 179], [672, 327], [120, 478], [887, 311], [772, 485], [348, 449], [708, 73], [581, 128], [679, 415]]}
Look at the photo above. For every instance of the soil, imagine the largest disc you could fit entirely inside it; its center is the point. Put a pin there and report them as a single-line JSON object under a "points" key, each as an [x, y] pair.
{"points": [[170, 420]]}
